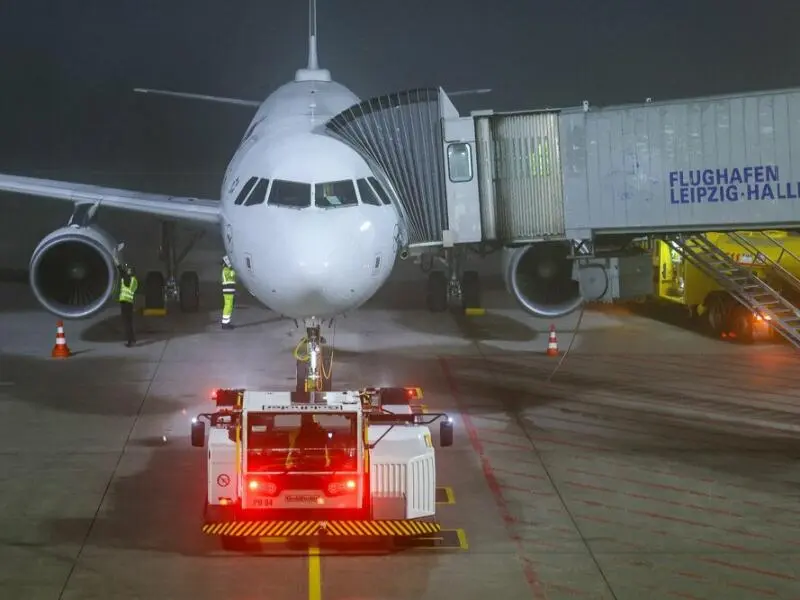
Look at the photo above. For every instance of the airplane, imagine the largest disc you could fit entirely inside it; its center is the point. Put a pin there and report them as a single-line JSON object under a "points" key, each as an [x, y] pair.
{"points": [[311, 229]]}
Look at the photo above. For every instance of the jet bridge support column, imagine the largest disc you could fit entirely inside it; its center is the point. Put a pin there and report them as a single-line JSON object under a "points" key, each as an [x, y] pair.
{"points": [[462, 200]]}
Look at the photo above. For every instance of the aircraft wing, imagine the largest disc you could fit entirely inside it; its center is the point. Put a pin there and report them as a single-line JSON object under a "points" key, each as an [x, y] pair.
{"points": [[175, 207]]}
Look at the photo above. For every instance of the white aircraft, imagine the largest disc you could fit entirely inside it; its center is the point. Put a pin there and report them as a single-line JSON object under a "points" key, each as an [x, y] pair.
{"points": [[310, 231]]}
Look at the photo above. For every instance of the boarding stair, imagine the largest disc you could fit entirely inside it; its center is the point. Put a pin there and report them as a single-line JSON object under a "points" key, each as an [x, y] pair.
{"points": [[741, 281]]}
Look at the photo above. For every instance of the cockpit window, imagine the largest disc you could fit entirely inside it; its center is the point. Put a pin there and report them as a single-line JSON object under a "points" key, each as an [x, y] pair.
{"points": [[290, 193], [368, 195], [245, 190], [259, 193], [379, 190], [335, 193]]}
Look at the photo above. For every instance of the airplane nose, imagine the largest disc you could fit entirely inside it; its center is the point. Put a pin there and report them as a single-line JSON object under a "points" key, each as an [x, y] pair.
{"points": [[321, 273]]}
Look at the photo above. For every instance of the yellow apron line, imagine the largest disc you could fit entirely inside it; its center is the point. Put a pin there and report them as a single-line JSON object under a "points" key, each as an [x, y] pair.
{"points": [[314, 573]]}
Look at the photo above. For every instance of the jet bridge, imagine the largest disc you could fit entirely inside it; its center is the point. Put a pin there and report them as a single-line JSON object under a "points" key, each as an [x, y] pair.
{"points": [[482, 182], [460, 180], [563, 192]]}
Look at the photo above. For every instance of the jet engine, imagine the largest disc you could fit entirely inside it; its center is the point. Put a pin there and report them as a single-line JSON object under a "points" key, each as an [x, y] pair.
{"points": [[540, 277], [72, 271]]}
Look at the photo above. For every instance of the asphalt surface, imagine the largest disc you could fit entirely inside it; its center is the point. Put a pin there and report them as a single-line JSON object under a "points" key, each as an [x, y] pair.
{"points": [[655, 463]]}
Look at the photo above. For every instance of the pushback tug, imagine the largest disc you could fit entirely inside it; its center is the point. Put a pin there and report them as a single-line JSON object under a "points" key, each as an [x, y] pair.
{"points": [[303, 465]]}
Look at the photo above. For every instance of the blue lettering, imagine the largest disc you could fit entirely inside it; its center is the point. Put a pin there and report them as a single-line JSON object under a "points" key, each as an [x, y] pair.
{"points": [[787, 191], [730, 184], [772, 172], [673, 178]]}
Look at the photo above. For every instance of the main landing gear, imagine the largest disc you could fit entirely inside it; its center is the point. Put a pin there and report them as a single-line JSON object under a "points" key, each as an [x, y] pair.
{"points": [[451, 285], [158, 289], [312, 375]]}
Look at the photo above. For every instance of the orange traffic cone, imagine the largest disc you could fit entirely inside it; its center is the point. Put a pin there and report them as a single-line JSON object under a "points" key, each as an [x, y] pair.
{"points": [[552, 342], [61, 350]]}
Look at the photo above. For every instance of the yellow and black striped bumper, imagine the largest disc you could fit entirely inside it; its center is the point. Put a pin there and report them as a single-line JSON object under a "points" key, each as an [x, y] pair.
{"points": [[292, 529]]}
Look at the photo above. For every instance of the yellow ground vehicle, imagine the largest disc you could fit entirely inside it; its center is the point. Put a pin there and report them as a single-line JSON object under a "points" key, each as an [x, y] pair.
{"points": [[682, 283]]}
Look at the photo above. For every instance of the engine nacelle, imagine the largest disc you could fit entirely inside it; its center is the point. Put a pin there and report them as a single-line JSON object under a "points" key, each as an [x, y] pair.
{"points": [[72, 271], [540, 277]]}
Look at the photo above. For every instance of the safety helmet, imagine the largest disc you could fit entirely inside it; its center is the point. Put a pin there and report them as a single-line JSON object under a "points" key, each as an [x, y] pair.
{"points": [[226, 261]]}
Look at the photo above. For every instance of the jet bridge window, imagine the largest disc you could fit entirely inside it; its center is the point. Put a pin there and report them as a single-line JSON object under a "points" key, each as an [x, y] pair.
{"points": [[290, 193], [336, 193], [459, 162], [379, 190], [246, 188], [368, 195]]}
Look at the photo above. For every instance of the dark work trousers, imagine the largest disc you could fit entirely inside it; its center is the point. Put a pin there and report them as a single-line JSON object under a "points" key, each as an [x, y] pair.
{"points": [[126, 310]]}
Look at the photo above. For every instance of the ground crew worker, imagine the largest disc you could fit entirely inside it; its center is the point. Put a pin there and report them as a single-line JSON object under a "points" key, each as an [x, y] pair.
{"points": [[228, 291], [311, 439], [127, 291]]}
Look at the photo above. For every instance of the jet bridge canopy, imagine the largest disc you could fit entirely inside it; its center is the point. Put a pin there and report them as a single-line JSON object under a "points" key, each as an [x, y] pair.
{"points": [[400, 136]]}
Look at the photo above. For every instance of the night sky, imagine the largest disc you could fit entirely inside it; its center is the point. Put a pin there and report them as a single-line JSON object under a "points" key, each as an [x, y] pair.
{"points": [[67, 109]]}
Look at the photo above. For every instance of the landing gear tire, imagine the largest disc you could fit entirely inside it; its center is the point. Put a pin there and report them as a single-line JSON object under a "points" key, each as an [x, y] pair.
{"points": [[470, 290], [189, 292], [154, 290], [437, 297]]}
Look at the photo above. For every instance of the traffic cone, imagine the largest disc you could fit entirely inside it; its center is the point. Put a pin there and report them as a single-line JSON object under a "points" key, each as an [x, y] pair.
{"points": [[552, 342], [61, 350]]}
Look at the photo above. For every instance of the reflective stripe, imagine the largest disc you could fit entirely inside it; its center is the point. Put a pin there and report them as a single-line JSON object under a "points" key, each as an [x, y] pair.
{"points": [[228, 290], [294, 529], [228, 276]]}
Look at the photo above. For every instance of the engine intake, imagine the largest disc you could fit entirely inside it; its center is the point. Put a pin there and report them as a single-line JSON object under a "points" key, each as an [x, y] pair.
{"points": [[540, 278], [72, 271]]}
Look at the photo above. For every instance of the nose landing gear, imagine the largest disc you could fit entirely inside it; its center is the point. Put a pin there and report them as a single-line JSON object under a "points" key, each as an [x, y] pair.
{"points": [[309, 355]]}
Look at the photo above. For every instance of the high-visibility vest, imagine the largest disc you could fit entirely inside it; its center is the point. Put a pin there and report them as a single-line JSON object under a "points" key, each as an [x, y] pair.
{"points": [[126, 292], [228, 280], [292, 447]]}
